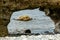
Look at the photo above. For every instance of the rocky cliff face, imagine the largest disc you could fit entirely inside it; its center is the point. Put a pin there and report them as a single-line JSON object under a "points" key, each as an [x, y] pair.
{"points": [[7, 7]]}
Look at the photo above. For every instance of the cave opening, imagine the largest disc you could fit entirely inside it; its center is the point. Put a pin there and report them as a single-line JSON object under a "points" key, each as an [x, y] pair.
{"points": [[28, 31]]}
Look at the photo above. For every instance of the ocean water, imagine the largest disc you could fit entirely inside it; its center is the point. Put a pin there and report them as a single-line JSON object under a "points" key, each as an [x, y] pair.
{"points": [[39, 24]]}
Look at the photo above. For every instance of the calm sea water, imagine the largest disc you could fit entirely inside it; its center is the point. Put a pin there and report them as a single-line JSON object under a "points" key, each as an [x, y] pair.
{"points": [[39, 24]]}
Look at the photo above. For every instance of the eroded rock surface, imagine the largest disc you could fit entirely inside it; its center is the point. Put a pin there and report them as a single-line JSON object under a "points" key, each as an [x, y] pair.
{"points": [[9, 6]]}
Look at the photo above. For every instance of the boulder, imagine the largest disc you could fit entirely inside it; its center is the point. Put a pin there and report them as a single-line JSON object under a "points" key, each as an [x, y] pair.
{"points": [[7, 7]]}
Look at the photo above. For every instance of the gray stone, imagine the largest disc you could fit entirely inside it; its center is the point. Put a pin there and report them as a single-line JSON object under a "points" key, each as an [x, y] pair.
{"points": [[39, 23]]}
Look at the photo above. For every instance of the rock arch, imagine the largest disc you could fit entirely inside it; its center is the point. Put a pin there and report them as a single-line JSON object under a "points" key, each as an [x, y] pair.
{"points": [[7, 7]]}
